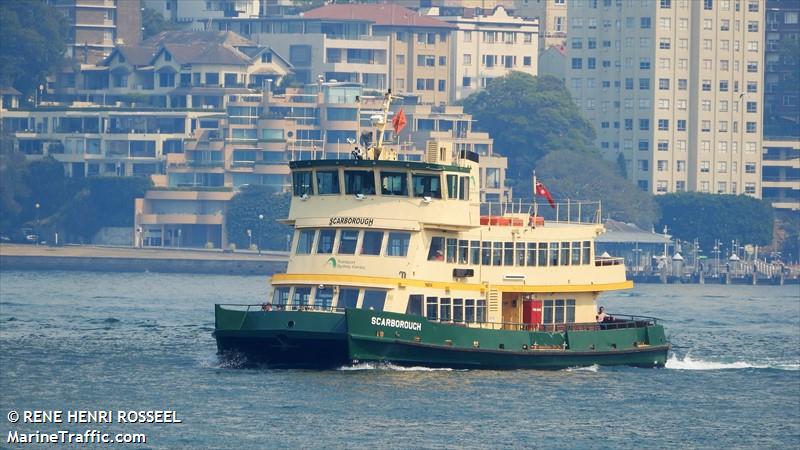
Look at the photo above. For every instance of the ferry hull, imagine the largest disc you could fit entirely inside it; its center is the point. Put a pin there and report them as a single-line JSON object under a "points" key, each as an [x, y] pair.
{"points": [[306, 339], [281, 338]]}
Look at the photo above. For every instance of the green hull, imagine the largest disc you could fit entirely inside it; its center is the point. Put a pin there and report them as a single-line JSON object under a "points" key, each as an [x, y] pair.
{"points": [[324, 339]]}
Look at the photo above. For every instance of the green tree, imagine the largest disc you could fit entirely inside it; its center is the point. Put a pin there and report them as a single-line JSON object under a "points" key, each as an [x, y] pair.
{"points": [[153, 22], [529, 117], [102, 202], [13, 170], [32, 43], [707, 217], [242, 215], [564, 173]]}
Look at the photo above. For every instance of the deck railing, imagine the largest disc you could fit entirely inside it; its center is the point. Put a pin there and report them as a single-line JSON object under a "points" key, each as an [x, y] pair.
{"points": [[617, 321], [569, 211]]}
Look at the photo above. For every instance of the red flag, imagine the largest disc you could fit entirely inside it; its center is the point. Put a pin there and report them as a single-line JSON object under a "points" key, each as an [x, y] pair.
{"points": [[541, 190], [399, 121]]}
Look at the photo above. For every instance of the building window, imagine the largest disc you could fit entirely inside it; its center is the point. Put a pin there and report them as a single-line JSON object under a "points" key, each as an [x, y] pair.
{"points": [[749, 188], [526, 61], [644, 84], [663, 84], [644, 145], [751, 107], [680, 166], [663, 124], [644, 22], [644, 124], [681, 124], [751, 127], [577, 63], [683, 84], [663, 145], [705, 167], [708, 5]]}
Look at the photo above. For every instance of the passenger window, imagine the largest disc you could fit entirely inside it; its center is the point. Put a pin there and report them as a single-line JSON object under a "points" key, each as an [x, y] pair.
{"points": [[508, 254], [302, 296], [414, 305], [436, 251], [469, 310], [531, 254], [348, 298], [559, 311], [328, 182], [347, 242], [497, 254], [305, 242], [520, 253], [444, 310], [452, 186], [374, 300], [394, 183], [554, 253], [451, 249], [565, 253], [475, 252], [463, 252], [458, 310], [427, 186], [324, 298], [280, 297], [571, 311], [587, 250], [486, 253], [432, 308], [542, 262], [301, 183], [359, 182], [480, 311], [576, 253], [372, 243], [547, 316], [398, 244], [325, 242]]}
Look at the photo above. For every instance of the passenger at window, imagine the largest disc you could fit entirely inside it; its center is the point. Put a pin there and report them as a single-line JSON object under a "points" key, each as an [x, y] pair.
{"points": [[266, 306], [439, 255]]}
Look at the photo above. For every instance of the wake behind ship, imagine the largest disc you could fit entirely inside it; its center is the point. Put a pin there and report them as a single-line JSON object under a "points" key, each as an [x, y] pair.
{"points": [[399, 261]]}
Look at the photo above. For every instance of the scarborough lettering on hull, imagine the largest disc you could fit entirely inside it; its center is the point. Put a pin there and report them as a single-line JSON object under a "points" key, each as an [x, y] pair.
{"points": [[364, 221], [394, 323]]}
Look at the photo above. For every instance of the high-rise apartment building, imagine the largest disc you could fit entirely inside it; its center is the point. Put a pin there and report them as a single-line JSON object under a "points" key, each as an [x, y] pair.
{"points": [[675, 87], [552, 16], [782, 69], [95, 26]]}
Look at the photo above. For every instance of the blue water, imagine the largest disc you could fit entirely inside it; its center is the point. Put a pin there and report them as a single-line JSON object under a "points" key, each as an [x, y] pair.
{"points": [[96, 341]]}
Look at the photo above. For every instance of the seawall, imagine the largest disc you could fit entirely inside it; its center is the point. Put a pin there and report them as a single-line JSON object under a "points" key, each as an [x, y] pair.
{"points": [[114, 259]]}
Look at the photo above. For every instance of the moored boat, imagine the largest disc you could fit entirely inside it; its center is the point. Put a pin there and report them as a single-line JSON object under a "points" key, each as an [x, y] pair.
{"points": [[399, 261]]}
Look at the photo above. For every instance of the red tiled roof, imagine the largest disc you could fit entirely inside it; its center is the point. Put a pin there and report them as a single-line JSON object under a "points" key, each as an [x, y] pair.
{"points": [[380, 14]]}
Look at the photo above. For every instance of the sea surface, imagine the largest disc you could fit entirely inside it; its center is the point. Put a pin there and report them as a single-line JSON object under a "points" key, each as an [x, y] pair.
{"points": [[99, 341]]}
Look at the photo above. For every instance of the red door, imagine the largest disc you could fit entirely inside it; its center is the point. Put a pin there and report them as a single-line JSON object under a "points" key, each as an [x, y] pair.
{"points": [[532, 313]]}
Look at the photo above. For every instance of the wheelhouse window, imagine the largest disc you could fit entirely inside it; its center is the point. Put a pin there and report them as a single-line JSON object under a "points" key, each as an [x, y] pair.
{"points": [[587, 251], [398, 244], [302, 296], [394, 183], [508, 253], [347, 242], [348, 298], [427, 186], [542, 261], [497, 254], [301, 183], [374, 300], [305, 241], [554, 253], [576, 253], [520, 259], [436, 250], [531, 254], [475, 252], [328, 182], [486, 253], [565, 253], [359, 182], [371, 245], [463, 188], [281, 296], [325, 242], [452, 186]]}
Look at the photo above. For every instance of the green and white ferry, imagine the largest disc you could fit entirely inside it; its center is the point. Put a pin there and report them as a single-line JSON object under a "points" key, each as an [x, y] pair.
{"points": [[398, 261]]}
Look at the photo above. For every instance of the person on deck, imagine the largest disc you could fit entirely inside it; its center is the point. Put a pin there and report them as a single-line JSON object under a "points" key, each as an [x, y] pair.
{"points": [[601, 315]]}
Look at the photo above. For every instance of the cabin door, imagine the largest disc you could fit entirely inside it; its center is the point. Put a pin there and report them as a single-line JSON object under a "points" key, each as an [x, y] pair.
{"points": [[532, 313]]}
